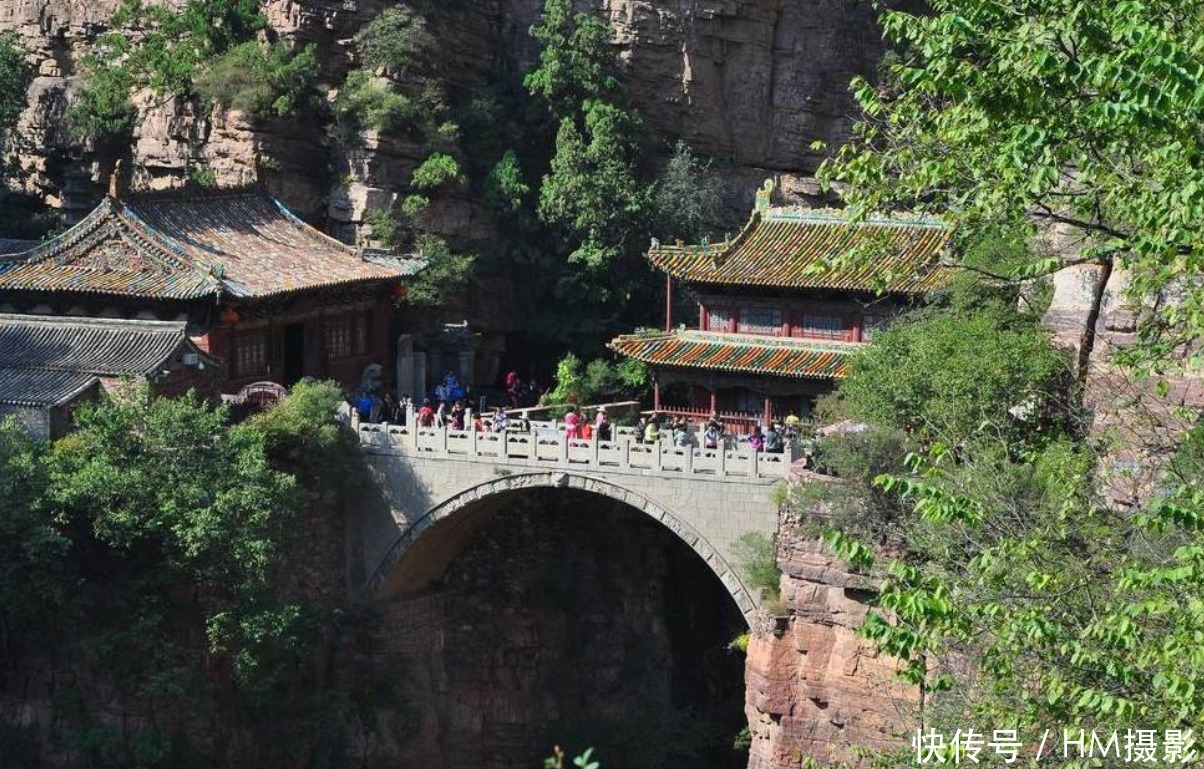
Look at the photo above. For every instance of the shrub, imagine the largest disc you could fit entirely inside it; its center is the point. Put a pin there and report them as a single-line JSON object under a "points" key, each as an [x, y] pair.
{"points": [[396, 40], [372, 103], [437, 170], [757, 559], [260, 81]]}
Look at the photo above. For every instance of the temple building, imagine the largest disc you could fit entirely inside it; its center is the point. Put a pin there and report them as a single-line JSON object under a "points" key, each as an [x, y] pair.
{"points": [[265, 294], [51, 364], [780, 307]]}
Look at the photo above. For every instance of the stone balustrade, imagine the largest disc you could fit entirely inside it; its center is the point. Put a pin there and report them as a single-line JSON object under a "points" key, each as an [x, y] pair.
{"points": [[547, 447]]}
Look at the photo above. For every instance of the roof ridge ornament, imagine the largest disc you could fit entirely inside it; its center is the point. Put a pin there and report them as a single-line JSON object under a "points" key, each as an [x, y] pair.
{"points": [[764, 196], [117, 182]]}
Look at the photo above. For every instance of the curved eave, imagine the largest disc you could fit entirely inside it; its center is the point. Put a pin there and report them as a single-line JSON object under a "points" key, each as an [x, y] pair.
{"points": [[676, 351]]}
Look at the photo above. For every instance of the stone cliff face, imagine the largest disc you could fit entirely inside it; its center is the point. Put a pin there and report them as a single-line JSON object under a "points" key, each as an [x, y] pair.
{"points": [[749, 82], [814, 689]]}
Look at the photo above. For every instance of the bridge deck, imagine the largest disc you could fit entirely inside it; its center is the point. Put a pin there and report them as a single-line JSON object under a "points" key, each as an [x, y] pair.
{"points": [[549, 449]]}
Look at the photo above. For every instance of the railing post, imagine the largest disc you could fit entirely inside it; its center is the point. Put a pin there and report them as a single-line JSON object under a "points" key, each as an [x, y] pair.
{"points": [[593, 451], [503, 450], [442, 442], [688, 466], [564, 449], [625, 453], [472, 442], [658, 456], [721, 470], [753, 468]]}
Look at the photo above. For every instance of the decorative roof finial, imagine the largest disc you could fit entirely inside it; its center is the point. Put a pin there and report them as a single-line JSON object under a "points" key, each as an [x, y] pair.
{"points": [[117, 180], [764, 196]]}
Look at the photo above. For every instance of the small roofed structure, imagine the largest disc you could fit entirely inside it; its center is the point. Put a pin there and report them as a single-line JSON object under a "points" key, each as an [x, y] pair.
{"points": [[272, 297], [50, 364], [781, 305]]}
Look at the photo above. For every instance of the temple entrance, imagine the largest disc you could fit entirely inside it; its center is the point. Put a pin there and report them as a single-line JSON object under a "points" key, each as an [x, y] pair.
{"points": [[294, 353]]}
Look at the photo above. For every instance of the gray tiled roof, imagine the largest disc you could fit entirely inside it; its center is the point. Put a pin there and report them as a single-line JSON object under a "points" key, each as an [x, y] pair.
{"points": [[46, 360], [13, 246], [40, 388], [239, 243]]}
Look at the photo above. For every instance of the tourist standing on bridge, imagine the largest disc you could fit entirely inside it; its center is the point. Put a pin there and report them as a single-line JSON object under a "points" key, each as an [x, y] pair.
{"points": [[500, 421], [426, 414], [572, 424], [602, 427], [713, 435], [773, 440], [442, 417], [652, 431], [756, 441]]}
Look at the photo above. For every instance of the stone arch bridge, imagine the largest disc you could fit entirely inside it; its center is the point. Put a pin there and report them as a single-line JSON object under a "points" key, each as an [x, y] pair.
{"points": [[428, 485]]}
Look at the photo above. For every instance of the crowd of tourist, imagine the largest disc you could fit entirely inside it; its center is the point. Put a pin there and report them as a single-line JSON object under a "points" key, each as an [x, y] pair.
{"points": [[448, 410]]}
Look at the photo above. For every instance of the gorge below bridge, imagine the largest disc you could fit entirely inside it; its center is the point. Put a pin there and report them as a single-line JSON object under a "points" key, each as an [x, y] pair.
{"points": [[427, 483]]}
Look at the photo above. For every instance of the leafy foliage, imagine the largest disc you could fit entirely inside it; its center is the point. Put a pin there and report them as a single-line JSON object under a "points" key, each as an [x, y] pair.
{"points": [[592, 190], [396, 90], [1013, 590], [15, 77], [505, 189], [397, 40], [156, 524], [1071, 112], [687, 196], [260, 81], [32, 544], [756, 557], [597, 381], [446, 272], [437, 170], [156, 47], [576, 64], [960, 372], [374, 104]]}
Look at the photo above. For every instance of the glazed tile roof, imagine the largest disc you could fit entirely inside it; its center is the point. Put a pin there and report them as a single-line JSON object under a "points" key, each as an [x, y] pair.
{"points": [[790, 247], [737, 352], [45, 361], [236, 243]]}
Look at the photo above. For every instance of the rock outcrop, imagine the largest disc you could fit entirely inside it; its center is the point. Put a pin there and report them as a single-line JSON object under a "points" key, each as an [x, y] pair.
{"points": [[814, 688], [748, 82]]}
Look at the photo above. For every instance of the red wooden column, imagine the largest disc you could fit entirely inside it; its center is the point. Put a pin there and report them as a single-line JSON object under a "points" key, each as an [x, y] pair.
{"points": [[668, 302], [768, 409], [656, 395]]}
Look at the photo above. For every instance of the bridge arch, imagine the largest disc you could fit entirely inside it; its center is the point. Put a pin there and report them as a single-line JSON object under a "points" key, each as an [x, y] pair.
{"points": [[416, 558]]}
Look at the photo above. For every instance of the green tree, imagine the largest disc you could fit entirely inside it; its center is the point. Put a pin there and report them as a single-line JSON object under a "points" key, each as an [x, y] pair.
{"points": [[576, 64], [593, 190], [15, 78], [446, 273], [1013, 592], [687, 197], [33, 545], [1077, 113], [957, 372]]}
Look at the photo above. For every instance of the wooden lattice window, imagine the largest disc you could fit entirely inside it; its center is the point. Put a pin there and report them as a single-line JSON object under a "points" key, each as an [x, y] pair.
{"points": [[760, 320], [718, 319], [250, 355], [345, 336], [823, 326]]}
